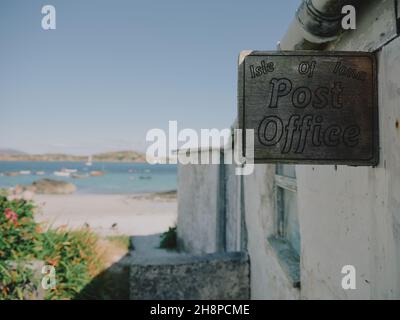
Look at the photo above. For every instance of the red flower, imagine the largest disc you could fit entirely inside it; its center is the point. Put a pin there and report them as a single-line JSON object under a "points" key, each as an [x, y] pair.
{"points": [[11, 215]]}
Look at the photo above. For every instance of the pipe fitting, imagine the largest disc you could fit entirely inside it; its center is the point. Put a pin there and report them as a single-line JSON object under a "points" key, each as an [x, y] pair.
{"points": [[321, 18]]}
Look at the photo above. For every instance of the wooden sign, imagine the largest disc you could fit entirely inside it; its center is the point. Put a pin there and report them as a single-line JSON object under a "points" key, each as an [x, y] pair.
{"points": [[309, 107]]}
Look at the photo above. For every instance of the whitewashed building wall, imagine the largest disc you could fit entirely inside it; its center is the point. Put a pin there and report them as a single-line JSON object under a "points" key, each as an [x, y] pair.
{"points": [[346, 215]]}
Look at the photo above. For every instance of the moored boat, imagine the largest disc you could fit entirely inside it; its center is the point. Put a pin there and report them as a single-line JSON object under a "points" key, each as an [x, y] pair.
{"points": [[62, 173], [97, 173], [70, 170], [89, 161]]}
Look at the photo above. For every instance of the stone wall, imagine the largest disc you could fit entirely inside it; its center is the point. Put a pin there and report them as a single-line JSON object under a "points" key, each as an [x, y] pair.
{"points": [[211, 276]]}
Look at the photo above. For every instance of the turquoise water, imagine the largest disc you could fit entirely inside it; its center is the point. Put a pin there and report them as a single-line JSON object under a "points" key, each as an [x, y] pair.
{"points": [[119, 177]]}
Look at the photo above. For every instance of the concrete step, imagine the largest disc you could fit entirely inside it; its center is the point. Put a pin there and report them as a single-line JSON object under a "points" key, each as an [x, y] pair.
{"points": [[161, 274]]}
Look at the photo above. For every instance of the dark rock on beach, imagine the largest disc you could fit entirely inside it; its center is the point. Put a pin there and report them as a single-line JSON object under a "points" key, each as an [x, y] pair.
{"points": [[49, 186]]}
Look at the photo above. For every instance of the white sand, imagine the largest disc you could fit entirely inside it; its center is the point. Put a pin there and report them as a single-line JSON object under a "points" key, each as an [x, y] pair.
{"points": [[132, 215]]}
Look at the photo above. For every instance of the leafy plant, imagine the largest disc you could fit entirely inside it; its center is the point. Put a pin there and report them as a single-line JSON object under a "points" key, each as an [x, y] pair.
{"points": [[22, 240], [18, 234], [72, 253], [169, 239], [16, 281], [18, 240]]}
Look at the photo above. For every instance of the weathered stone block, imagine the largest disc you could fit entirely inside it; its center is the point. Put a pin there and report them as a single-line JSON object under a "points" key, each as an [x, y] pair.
{"points": [[211, 276]]}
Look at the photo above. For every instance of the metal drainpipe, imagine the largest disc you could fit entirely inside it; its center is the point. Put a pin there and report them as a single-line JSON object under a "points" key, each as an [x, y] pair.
{"points": [[316, 22]]}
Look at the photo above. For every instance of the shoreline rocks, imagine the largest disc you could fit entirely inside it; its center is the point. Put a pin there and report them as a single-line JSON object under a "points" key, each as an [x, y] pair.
{"points": [[49, 186]]}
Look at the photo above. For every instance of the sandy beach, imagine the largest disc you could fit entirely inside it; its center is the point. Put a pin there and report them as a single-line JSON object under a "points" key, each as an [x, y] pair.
{"points": [[109, 214]]}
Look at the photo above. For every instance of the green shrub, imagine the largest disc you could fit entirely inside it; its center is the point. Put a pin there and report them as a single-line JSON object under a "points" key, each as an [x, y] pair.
{"points": [[18, 234], [73, 255], [18, 240], [16, 281], [168, 239], [22, 240]]}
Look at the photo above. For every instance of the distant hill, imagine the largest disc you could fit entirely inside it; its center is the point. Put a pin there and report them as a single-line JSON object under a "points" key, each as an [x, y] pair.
{"points": [[119, 156], [11, 152]]}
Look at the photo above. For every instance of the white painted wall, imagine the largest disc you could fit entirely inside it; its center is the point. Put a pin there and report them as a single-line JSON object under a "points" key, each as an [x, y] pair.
{"points": [[232, 209], [352, 215], [347, 215], [199, 204]]}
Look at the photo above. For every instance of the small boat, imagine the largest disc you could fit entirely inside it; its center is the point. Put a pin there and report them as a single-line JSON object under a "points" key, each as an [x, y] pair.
{"points": [[62, 174], [70, 170], [89, 162], [39, 173], [97, 173], [25, 172], [79, 175]]}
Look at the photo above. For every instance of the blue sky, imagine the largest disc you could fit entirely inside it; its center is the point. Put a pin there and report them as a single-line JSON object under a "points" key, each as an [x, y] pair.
{"points": [[114, 69]]}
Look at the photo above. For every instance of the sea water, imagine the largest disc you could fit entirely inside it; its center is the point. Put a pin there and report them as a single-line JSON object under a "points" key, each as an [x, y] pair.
{"points": [[119, 178]]}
